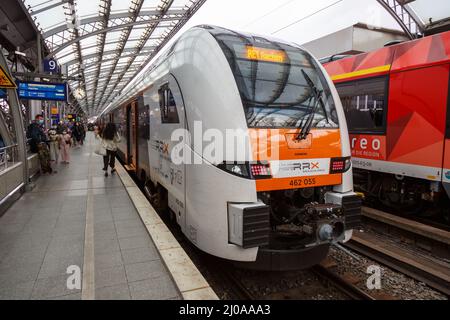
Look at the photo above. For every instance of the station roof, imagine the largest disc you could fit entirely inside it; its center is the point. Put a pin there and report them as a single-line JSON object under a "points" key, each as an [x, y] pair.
{"points": [[103, 44]]}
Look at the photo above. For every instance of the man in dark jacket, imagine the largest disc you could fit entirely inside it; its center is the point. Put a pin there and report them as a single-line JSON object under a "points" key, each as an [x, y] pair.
{"points": [[35, 133]]}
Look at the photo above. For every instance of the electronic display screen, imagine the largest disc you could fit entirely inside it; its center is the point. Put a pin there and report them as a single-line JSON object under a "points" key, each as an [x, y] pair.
{"points": [[42, 91]]}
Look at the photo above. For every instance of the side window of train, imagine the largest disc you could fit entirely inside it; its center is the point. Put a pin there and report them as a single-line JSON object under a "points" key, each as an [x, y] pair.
{"points": [[365, 104], [169, 113]]}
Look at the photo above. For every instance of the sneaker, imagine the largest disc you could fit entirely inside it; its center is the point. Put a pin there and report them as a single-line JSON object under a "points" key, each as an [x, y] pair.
{"points": [[113, 171], [105, 169]]}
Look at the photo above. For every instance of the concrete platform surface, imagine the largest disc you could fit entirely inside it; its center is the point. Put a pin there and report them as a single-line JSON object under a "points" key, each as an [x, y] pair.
{"points": [[78, 235]]}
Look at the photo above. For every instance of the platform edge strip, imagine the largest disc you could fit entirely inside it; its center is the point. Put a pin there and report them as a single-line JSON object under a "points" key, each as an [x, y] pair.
{"points": [[188, 279]]}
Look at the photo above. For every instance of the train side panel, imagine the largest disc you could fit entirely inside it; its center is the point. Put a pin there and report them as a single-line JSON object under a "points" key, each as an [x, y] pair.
{"points": [[446, 174], [416, 126]]}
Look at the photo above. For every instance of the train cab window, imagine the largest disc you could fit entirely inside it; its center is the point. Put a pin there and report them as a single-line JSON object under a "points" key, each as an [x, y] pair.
{"points": [[169, 113], [365, 104], [274, 90]]}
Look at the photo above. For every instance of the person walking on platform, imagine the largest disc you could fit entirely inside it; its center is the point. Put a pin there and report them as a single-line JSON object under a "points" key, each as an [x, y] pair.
{"points": [[65, 144], [76, 132], [109, 140]]}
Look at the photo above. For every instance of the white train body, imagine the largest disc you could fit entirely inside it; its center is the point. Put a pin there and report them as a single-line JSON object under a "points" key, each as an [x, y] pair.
{"points": [[194, 85]]}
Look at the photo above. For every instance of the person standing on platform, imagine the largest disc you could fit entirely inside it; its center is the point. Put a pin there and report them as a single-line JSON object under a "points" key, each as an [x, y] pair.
{"points": [[76, 133], [65, 144], [55, 145], [35, 133], [109, 139]]}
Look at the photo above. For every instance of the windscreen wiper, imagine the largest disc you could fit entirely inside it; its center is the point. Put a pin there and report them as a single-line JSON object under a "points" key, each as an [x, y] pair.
{"points": [[306, 128]]}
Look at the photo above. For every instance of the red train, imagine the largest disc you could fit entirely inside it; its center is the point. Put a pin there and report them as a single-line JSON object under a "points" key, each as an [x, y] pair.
{"points": [[397, 105]]}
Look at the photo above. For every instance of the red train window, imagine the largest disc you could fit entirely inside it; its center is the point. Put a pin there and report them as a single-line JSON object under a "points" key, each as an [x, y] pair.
{"points": [[365, 104]]}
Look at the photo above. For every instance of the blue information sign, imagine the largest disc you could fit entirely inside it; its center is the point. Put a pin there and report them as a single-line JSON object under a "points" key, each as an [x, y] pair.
{"points": [[50, 65], [42, 91], [2, 93]]}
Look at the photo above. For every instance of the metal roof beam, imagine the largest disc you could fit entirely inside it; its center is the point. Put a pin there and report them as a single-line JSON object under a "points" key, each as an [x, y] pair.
{"points": [[196, 5], [109, 52], [134, 11], [35, 12], [105, 11], [405, 17], [164, 8], [96, 31], [145, 14]]}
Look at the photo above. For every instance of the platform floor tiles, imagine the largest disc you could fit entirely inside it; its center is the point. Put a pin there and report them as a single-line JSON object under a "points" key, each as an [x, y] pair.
{"points": [[73, 220]]}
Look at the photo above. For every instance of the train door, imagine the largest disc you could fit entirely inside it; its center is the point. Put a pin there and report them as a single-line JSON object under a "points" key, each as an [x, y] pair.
{"points": [[168, 118], [132, 136], [446, 166]]}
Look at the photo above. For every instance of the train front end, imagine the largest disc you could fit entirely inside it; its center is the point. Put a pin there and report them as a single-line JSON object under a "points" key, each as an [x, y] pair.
{"points": [[300, 155]]}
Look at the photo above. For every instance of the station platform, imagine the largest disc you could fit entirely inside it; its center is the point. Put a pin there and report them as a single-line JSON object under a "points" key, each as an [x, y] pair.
{"points": [[80, 235]]}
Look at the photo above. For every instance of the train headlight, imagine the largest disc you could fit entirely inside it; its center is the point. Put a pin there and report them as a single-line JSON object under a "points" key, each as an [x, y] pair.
{"points": [[248, 170], [237, 169]]}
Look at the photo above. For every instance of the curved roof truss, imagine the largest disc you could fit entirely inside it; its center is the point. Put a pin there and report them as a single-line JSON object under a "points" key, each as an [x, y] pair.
{"points": [[107, 48]]}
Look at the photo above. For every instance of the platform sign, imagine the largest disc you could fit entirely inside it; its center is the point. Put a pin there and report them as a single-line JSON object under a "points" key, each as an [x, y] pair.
{"points": [[50, 65], [42, 91], [55, 119], [72, 117], [6, 82]]}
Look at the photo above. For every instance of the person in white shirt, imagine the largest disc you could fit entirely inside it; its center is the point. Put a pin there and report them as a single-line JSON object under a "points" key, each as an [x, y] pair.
{"points": [[110, 138]]}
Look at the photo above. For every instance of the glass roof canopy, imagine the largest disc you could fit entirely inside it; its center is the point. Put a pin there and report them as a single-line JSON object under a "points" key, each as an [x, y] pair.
{"points": [[103, 44]]}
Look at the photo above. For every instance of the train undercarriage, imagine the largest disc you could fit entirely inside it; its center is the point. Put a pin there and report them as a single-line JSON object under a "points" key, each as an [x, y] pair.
{"points": [[404, 195]]}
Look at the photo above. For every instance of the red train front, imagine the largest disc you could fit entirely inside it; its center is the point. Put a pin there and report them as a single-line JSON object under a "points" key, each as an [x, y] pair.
{"points": [[397, 105]]}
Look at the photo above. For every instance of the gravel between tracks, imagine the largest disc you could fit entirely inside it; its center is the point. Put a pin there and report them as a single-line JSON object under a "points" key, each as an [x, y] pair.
{"points": [[393, 283]]}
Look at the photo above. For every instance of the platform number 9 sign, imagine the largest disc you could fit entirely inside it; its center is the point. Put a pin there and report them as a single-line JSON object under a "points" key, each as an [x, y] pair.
{"points": [[50, 65]]}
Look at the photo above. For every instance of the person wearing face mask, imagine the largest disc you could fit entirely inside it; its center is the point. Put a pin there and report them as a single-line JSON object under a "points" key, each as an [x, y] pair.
{"points": [[36, 133]]}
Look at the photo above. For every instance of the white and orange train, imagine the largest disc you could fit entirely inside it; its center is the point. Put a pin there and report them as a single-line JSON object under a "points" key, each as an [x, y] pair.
{"points": [[261, 212]]}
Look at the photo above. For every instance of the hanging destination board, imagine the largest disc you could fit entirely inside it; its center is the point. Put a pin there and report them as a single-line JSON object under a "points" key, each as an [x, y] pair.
{"points": [[42, 91]]}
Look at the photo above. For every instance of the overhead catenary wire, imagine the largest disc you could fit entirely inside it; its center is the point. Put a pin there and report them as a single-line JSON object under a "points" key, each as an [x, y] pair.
{"points": [[308, 16], [268, 13]]}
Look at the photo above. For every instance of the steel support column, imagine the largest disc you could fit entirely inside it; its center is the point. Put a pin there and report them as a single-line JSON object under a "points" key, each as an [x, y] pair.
{"points": [[16, 113]]}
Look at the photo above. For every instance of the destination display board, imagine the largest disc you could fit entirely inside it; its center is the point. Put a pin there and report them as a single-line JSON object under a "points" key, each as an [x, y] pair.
{"points": [[42, 91]]}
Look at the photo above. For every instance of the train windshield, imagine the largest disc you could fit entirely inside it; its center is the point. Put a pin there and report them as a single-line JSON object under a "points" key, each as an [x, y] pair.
{"points": [[280, 85]]}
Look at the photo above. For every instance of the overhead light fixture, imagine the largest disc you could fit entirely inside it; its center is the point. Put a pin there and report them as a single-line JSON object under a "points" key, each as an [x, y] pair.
{"points": [[20, 53]]}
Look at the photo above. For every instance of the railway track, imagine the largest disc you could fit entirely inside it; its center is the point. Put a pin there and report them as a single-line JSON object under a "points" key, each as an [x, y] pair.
{"points": [[343, 285], [322, 272], [434, 273]]}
